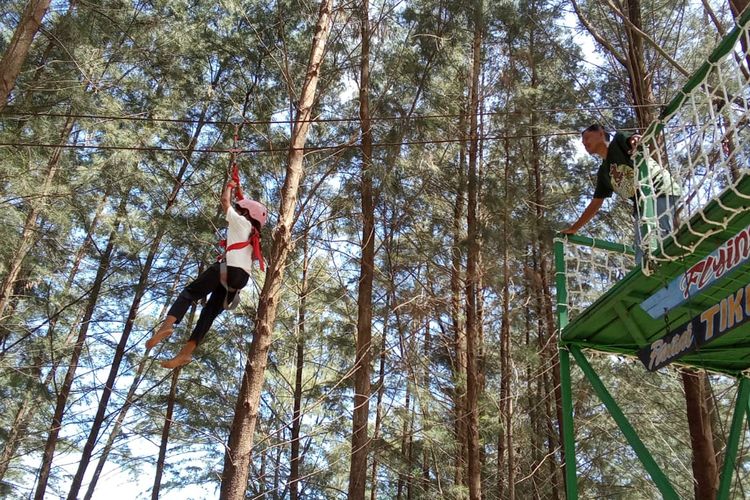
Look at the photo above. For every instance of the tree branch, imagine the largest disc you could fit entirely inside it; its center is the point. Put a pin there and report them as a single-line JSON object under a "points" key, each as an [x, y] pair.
{"points": [[713, 17], [597, 36], [650, 40]]}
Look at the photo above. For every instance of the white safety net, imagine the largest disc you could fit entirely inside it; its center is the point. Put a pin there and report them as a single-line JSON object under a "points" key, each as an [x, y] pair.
{"points": [[589, 270], [694, 179]]}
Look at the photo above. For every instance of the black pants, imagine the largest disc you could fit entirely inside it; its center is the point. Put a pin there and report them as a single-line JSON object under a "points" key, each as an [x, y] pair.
{"points": [[208, 282]]}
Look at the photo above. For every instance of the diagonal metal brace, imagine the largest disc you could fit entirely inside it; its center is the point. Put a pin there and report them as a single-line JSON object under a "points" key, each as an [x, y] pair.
{"points": [[660, 480]]}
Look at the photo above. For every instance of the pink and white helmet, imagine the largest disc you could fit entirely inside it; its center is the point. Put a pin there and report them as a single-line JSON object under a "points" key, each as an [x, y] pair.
{"points": [[256, 209]]}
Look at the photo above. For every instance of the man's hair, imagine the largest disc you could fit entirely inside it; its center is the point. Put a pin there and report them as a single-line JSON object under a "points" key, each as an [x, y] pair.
{"points": [[595, 127]]}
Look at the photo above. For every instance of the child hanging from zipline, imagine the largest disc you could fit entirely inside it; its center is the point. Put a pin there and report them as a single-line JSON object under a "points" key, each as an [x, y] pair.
{"points": [[224, 279]]}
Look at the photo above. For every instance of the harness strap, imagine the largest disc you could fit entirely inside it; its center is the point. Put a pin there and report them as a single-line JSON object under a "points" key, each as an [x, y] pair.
{"points": [[236, 178], [254, 241], [230, 291]]}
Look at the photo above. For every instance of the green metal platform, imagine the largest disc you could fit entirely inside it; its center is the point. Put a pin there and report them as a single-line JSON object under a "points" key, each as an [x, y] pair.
{"points": [[616, 323], [656, 317]]}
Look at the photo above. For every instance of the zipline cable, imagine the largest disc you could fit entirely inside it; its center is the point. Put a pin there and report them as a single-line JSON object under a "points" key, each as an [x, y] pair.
{"points": [[134, 117], [284, 149]]}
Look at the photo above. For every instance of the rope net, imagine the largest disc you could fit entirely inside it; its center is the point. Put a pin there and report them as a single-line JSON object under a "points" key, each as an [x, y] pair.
{"points": [[693, 160], [590, 268]]}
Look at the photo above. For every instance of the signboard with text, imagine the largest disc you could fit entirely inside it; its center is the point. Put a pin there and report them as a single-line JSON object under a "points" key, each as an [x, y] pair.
{"points": [[709, 325], [725, 259]]}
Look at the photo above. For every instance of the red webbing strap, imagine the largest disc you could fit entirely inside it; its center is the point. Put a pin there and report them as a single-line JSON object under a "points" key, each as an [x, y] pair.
{"points": [[254, 241], [237, 246], [236, 178], [257, 254]]}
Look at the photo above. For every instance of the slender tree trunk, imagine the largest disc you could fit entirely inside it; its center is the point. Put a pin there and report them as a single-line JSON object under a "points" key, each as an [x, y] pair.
{"points": [[459, 334], [32, 397], [277, 465], [505, 439], [21, 421], [410, 452], [705, 469], [547, 342], [28, 236], [360, 439], [62, 397], [378, 416], [130, 399], [403, 478], [390, 299], [18, 49], [641, 80], [532, 399], [472, 272], [297, 412], [262, 475], [165, 435], [425, 408], [237, 457], [140, 289]]}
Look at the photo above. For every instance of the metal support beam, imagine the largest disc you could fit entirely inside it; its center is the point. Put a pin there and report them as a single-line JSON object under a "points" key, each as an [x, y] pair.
{"points": [[630, 325], [569, 441], [660, 480], [730, 456]]}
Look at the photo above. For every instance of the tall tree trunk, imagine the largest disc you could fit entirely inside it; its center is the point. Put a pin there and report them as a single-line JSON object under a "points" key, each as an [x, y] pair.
{"points": [[297, 412], [32, 397], [360, 440], [165, 435], [403, 478], [378, 415], [140, 290], [390, 299], [18, 49], [21, 421], [410, 451], [705, 468], [505, 438], [237, 457], [131, 398], [459, 333], [472, 271], [641, 80], [532, 399], [424, 375], [547, 342], [28, 235], [62, 397]]}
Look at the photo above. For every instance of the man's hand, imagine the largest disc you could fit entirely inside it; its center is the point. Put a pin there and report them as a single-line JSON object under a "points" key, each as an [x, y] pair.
{"points": [[569, 230], [633, 142]]}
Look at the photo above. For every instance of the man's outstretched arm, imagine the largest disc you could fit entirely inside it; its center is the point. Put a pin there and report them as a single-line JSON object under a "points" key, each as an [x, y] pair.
{"points": [[594, 205]]}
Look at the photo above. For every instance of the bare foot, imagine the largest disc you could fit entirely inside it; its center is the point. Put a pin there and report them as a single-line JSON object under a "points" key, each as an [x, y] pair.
{"points": [[183, 357], [162, 333], [177, 361]]}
